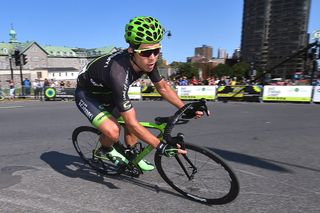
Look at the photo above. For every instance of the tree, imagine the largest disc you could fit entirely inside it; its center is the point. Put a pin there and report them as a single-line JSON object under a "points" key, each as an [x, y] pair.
{"points": [[223, 70], [161, 62], [240, 69], [187, 69]]}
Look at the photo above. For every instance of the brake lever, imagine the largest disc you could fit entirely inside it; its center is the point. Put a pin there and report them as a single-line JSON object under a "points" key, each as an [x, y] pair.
{"points": [[204, 107]]}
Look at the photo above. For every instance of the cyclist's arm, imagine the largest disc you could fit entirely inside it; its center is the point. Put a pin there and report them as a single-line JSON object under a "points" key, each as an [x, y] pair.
{"points": [[168, 93], [141, 132], [171, 96], [137, 129]]}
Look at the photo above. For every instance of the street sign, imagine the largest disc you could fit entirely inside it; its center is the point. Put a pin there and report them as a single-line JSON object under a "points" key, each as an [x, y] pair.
{"points": [[316, 34]]}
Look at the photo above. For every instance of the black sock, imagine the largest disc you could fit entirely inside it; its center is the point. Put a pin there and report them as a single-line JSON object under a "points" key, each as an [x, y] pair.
{"points": [[107, 149]]}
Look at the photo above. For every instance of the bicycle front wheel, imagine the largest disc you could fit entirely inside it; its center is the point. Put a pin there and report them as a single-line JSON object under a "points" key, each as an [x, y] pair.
{"points": [[86, 141], [200, 175]]}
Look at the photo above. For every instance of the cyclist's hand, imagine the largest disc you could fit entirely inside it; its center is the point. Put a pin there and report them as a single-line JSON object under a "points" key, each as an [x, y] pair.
{"points": [[168, 150], [194, 114]]}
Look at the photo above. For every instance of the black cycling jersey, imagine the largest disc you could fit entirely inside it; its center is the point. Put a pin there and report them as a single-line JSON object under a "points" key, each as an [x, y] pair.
{"points": [[113, 74]]}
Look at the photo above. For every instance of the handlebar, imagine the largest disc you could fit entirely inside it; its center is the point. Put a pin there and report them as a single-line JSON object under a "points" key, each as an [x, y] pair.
{"points": [[182, 116]]}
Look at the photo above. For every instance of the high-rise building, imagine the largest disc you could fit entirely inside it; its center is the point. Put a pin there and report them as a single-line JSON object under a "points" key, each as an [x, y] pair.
{"points": [[204, 51], [273, 30], [222, 53]]}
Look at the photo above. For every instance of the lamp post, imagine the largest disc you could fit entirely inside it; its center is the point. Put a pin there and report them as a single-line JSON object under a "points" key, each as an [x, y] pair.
{"points": [[10, 64], [316, 36], [168, 32]]}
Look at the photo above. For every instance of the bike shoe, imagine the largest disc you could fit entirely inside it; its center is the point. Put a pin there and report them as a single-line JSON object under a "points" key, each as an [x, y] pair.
{"points": [[112, 155], [145, 166]]}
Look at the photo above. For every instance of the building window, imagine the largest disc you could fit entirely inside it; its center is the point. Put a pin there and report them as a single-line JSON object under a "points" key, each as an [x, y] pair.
{"points": [[39, 75]]}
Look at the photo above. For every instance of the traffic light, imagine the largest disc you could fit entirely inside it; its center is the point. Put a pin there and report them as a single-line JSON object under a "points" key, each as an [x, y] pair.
{"points": [[24, 59], [313, 53], [17, 57]]}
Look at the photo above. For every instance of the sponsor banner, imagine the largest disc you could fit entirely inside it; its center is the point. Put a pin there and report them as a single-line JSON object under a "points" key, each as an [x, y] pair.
{"points": [[243, 93], [149, 92], [316, 94], [134, 92], [196, 92], [287, 93]]}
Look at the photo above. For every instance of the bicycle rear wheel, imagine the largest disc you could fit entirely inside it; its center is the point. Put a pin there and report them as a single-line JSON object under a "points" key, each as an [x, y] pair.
{"points": [[200, 175], [86, 140]]}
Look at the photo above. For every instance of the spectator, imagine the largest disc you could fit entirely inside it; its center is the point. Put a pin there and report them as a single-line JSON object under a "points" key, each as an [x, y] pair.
{"points": [[62, 84], [233, 82], [206, 81], [37, 87], [46, 83], [12, 89], [194, 81], [183, 81], [316, 82], [1, 93], [222, 82], [26, 90]]}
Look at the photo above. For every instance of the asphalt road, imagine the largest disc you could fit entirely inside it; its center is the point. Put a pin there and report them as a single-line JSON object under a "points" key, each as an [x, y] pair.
{"points": [[273, 148]]}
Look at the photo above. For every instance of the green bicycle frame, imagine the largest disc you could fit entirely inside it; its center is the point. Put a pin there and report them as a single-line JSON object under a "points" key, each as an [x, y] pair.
{"points": [[148, 148]]}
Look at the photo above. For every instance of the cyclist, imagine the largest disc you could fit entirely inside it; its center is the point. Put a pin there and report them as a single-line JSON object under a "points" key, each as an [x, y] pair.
{"points": [[102, 89]]}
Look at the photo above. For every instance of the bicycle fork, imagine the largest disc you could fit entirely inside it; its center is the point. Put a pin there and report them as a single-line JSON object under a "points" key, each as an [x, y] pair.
{"points": [[179, 139]]}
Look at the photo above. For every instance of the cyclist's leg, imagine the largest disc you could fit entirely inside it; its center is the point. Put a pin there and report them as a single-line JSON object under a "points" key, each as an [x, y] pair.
{"points": [[129, 138], [100, 115]]}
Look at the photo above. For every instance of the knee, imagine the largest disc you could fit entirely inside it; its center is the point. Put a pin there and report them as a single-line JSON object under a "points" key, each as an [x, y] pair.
{"points": [[112, 132]]}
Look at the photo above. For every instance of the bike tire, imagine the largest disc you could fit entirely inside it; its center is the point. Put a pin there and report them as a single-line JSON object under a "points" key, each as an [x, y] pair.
{"points": [[214, 182], [85, 139]]}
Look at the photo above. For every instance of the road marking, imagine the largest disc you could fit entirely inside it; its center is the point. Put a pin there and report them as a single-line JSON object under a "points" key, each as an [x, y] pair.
{"points": [[10, 107]]}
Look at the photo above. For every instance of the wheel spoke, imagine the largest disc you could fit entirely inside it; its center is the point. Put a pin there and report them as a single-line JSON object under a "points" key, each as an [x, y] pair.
{"points": [[212, 181]]}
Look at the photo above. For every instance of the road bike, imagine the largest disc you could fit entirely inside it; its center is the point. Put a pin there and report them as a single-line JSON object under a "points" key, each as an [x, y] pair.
{"points": [[200, 175]]}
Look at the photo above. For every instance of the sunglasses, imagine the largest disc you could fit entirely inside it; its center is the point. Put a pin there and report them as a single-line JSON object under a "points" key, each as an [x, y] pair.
{"points": [[148, 52]]}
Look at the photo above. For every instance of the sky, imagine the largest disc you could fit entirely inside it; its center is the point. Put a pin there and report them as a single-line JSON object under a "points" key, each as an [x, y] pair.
{"points": [[99, 23]]}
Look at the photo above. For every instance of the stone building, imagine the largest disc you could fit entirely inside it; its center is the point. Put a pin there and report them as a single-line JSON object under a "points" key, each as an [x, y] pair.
{"points": [[51, 62]]}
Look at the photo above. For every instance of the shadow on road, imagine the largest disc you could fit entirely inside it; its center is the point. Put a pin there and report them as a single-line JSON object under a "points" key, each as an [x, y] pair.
{"points": [[73, 167], [249, 160]]}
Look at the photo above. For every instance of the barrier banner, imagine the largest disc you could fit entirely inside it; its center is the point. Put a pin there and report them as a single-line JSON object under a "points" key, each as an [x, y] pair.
{"points": [[134, 93], [50, 93], [287, 93], [149, 92], [58, 93], [243, 93], [196, 92], [316, 94]]}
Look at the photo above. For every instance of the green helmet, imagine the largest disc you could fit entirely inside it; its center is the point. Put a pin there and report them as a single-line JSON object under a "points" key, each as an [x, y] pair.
{"points": [[143, 30]]}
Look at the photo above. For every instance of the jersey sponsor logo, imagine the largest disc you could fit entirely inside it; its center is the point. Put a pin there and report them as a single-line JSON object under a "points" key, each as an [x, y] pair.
{"points": [[125, 87], [111, 56], [84, 69], [85, 110], [126, 105], [95, 83]]}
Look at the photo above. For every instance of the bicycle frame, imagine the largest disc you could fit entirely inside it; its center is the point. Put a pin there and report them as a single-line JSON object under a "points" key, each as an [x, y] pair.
{"points": [[148, 148]]}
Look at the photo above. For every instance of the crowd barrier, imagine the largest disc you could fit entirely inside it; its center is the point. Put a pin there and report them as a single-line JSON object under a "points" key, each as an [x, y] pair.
{"points": [[237, 93], [58, 93]]}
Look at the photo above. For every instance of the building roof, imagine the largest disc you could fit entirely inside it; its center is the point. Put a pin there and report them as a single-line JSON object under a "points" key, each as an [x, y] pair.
{"points": [[76, 52], [5, 48], [8, 48], [60, 51], [56, 51]]}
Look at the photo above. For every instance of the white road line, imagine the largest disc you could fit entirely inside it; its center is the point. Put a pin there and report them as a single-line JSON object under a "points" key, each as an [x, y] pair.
{"points": [[10, 107]]}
